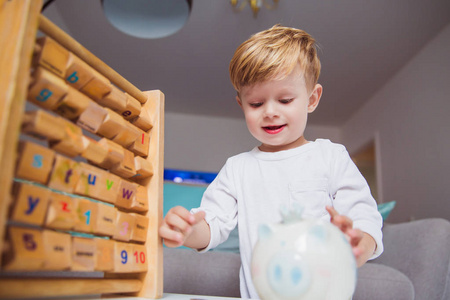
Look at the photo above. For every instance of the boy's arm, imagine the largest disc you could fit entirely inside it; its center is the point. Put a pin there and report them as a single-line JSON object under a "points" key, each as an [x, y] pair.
{"points": [[181, 228]]}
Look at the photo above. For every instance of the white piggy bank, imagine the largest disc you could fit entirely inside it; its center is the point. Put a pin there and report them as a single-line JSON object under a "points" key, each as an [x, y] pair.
{"points": [[303, 259]]}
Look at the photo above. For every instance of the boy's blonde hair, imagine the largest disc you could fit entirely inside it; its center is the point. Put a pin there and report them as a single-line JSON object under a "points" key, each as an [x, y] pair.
{"points": [[273, 54]]}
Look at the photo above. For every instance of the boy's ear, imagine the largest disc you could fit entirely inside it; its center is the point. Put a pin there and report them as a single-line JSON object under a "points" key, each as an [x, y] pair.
{"points": [[315, 98], [239, 101]]}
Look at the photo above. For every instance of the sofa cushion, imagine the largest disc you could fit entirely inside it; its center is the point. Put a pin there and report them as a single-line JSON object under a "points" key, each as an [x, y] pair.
{"points": [[377, 282], [210, 273]]}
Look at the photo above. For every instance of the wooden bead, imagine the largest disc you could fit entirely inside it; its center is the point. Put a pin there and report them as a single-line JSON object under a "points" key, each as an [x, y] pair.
{"points": [[51, 56], [144, 168], [73, 104], [72, 143], [112, 124], [143, 121], [98, 87], [87, 212], [125, 168], [124, 226], [116, 100], [127, 135], [141, 145], [110, 187], [133, 108], [78, 73], [141, 201], [61, 212], [92, 117], [42, 124], [126, 195], [35, 162], [58, 250], [83, 254], [115, 153], [139, 233], [46, 89], [65, 174], [104, 254], [104, 224], [90, 181], [93, 151], [30, 205], [123, 257]]}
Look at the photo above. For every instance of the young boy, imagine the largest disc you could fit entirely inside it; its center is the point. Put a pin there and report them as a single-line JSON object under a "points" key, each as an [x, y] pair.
{"points": [[275, 74]]}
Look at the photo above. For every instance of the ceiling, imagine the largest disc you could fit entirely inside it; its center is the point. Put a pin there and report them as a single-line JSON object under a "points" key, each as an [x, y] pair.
{"points": [[362, 46]]}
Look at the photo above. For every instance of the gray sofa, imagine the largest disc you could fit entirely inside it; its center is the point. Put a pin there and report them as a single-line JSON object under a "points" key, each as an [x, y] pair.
{"points": [[415, 265]]}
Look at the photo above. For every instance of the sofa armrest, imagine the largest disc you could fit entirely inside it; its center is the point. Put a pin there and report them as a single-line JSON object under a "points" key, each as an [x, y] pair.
{"points": [[420, 250]]}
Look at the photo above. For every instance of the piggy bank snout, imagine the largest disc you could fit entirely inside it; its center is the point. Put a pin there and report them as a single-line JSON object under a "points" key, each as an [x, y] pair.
{"points": [[288, 274]]}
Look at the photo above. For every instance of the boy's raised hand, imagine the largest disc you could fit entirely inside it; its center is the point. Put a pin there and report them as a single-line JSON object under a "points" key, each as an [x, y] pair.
{"points": [[363, 245], [177, 226]]}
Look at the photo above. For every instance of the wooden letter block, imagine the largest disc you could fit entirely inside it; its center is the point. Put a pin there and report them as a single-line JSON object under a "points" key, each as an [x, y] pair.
{"points": [[58, 250], [61, 212], [104, 224], [143, 121], [126, 195], [72, 144], [26, 249], [90, 181], [141, 145], [93, 151], [51, 56], [144, 168], [35, 162], [92, 118], [78, 73], [98, 87], [116, 100], [110, 187], [46, 89], [133, 108], [73, 104], [123, 258], [65, 174], [112, 124], [115, 153], [124, 226], [125, 168], [87, 212], [43, 125], [105, 255], [140, 262], [83, 254], [140, 228], [31, 203]]}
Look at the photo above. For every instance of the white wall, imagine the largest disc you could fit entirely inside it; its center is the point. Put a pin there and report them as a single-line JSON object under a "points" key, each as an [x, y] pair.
{"points": [[411, 116], [203, 143]]}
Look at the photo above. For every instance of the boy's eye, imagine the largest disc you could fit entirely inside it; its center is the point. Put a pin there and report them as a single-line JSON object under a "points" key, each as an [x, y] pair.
{"points": [[286, 101], [256, 104]]}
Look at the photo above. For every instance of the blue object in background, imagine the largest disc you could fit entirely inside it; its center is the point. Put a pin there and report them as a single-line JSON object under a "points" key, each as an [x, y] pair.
{"points": [[189, 177]]}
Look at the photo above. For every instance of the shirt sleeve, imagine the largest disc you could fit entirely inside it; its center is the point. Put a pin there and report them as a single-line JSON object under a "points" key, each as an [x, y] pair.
{"points": [[352, 198], [219, 204]]}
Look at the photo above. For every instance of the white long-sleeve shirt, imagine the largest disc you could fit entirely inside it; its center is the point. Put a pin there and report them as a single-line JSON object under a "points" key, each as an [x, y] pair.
{"points": [[252, 186]]}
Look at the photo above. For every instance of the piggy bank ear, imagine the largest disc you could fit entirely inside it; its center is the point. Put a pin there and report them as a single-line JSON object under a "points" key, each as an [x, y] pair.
{"points": [[265, 231]]}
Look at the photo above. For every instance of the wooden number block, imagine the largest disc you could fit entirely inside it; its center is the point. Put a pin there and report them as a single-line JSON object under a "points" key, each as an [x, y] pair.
{"points": [[139, 233], [65, 174], [104, 255], [78, 73], [72, 143], [110, 187], [141, 145], [126, 195], [92, 118], [125, 168], [87, 212], [83, 254], [93, 151], [58, 250], [73, 104], [133, 108], [46, 89], [124, 226], [112, 124], [104, 224], [115, 153], [115, 100], [35, 162], [144, 168], [26, 249], [61, 212], [98, 87], [140, 262], [51, 56], [30, 203], [143, 121], [123, 257], [141, 201], [43, 125], [90, 181]]}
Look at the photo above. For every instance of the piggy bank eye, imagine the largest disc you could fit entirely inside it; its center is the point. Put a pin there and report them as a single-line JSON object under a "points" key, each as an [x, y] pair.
{"points": [[288, 275]]}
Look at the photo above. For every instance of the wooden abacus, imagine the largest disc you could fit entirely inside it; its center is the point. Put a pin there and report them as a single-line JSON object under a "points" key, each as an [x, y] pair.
{"points": [[81, 171]]}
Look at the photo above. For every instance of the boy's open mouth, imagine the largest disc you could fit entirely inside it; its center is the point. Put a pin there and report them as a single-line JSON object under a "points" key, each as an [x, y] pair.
{"points": [[274, 129]]}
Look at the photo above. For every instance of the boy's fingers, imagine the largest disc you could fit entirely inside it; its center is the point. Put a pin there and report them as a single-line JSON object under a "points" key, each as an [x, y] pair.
{"points": [[333, 213], [199, 216], [177, 223], [171, 238], [184, 214]]}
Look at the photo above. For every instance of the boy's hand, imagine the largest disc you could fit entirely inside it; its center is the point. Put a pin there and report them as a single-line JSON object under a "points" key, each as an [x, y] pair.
{"points": [[177, 226], [363, 245]]}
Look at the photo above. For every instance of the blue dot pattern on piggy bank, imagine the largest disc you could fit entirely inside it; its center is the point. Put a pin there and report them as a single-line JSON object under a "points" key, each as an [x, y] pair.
{"points": [[303, 259]]}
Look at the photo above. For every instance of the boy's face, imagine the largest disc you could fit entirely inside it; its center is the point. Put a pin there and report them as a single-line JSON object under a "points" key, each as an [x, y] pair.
{"points": [[276, 111]]}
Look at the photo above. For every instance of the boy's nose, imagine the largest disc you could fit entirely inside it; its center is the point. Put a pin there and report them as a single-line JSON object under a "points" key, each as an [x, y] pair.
{"points": [[270, 110]]}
